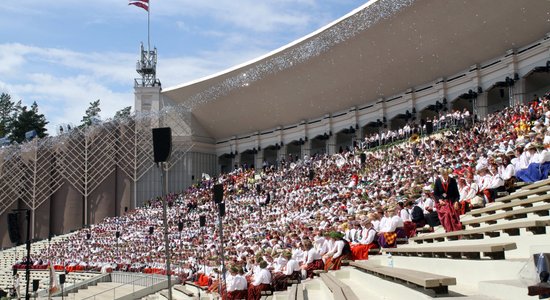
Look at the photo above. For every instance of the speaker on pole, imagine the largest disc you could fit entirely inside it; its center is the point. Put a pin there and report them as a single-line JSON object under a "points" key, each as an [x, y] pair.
{"points": [[180, 226], [217, 193], [117, 234], [13, 228], [162, 144], [35, 284], [202, 221], [221, 208], [151, 229], [61, 278], [429, 127], [311, 175]]}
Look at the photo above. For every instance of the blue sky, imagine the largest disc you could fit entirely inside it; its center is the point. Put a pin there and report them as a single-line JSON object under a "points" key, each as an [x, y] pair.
{"points": [[63, 54]]}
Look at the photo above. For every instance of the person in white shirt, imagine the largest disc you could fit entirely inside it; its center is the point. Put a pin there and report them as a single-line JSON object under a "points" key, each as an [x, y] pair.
{"points": [[340, 250], [539, 165], [507, 172], [391, 229], [236, 284], [313, 261], [261, 281], [17, 285], [360, 249], [291, 271], [405, 215], [468, 190]]}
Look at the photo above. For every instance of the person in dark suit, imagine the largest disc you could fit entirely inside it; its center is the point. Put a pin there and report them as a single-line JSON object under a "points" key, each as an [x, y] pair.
{"points": [[446, 195]]}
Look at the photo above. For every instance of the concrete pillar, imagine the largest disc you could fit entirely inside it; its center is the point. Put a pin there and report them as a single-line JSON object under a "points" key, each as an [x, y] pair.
{"points": [[519, 92], [481, 105], [331, 144], [281, 153], [306, 148], [259, 160]]}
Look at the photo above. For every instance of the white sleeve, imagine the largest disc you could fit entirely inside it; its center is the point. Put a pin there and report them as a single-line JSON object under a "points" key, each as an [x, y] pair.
{"points": [[309, 258], [393, 224], [508, 172], [405, 215], [369, 238], [339, 247], [257, 279]]}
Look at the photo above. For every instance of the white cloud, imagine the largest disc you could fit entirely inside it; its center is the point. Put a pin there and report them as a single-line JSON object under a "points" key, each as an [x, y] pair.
{"points": [[64, 80], [63, 93]]}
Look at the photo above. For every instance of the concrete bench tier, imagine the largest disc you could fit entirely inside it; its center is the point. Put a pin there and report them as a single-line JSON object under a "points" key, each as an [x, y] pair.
{"points": [[524, 194], [492, 209], [494, 251], [340, 290], [540, 210], [512, 228], [438, 283]]}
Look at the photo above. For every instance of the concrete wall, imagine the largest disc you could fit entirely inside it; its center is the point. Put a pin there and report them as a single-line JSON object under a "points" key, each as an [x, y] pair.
{"points": [[66, 210], [102, 201], [4, 235]]}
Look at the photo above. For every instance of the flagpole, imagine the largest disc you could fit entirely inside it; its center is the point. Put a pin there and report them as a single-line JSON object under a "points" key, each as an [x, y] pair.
{"points": [[148, 27]]}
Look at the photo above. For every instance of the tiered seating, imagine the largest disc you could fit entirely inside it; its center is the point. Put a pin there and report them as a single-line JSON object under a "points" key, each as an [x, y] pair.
{"points": [[438, 283], [473, 251], [521, 215], [340, 290], [526, 210]]}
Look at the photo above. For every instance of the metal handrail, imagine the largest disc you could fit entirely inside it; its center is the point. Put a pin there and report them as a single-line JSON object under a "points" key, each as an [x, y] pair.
{"points": [[151, 277]]}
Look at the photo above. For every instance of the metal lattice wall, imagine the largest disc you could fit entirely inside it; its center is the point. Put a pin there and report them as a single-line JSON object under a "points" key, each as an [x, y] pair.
{"points": [[32, 173]]}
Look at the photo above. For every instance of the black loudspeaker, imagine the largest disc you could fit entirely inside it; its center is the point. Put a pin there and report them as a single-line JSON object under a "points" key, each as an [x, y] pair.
{"points": [[429, 127], [61, 278], [202, 221], [14, 271], [13, 228], [221, 208], [125, 208], [117, 234], [180, 226], [311, 175], [217, 193], [88, 236], [151, 229], [35, 283], [162, 144], [363, 157]]}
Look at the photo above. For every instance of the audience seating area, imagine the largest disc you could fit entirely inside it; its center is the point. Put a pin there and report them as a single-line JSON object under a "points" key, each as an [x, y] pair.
{"points": [[491, 256]]}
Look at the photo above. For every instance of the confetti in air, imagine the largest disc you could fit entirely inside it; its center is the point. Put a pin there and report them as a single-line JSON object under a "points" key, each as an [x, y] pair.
{"points": [[344, 30]]}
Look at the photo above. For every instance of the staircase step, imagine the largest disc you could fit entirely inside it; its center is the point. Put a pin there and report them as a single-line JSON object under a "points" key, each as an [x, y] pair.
{"points": [[505, 289]]}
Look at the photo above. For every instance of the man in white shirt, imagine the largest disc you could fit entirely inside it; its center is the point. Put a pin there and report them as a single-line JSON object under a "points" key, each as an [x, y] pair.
{"points": [[261, 281], [236, 285]]}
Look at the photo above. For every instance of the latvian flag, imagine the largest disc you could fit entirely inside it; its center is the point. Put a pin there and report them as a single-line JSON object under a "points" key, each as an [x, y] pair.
{"points": [[140, 3]]}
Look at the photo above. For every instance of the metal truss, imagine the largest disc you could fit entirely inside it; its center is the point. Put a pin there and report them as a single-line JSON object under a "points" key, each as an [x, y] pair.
{"points": [[86, 157], [11, 175]]}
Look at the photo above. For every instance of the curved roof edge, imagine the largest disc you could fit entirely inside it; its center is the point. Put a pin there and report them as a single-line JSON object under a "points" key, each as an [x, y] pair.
{"points": [[273, 52]]}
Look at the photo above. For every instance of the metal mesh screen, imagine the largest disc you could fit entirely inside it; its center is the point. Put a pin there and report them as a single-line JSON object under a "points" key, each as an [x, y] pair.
{"points": [[85, 157]]}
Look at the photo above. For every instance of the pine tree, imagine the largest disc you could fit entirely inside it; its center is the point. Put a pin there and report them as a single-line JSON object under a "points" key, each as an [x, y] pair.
{"points": [[8, 113], [27, 120], [123, 114], [92, 114]]}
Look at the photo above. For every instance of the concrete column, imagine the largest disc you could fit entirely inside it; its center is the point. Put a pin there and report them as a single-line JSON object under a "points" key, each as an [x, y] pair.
{"points": [[481, 105], [519, 92], [281, 152], [331, 145], [259, 160], [306, 148]]}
